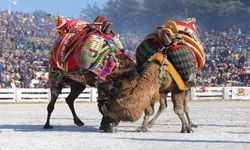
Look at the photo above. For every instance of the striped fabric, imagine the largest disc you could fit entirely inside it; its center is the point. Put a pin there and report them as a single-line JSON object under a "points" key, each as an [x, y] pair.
{"points": [[144, 51], [182, 58]]}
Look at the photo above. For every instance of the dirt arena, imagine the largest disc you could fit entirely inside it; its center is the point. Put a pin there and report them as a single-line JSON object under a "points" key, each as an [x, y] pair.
{"points": [[222, 125]]}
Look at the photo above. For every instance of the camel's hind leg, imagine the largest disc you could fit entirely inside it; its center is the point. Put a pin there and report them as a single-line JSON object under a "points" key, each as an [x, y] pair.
{"points": [[76, 90], [55, 91], [149, 111], [178, 98], [163, 105], [186, 110]]}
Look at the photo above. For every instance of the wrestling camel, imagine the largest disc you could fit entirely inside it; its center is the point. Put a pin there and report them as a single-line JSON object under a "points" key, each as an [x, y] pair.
{"points": [[183, 57], [132, 95], [84, 54]]}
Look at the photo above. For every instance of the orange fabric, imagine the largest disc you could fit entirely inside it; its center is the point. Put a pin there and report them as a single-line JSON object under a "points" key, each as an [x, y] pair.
{"points": [[176, 76], [158, 57], [197, 50], [60, 47], [67, 42]]}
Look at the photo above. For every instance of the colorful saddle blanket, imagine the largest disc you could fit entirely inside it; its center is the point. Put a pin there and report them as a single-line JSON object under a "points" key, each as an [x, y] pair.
{"points": [[86, 49], [182, 58], [180, 44]]}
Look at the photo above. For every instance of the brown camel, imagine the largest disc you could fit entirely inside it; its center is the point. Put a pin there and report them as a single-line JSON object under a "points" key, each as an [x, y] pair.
{"points": [[127, 95], [126, 65], [179, 42], [179, 99], [134, 93], [79, 44], [163, 104]]}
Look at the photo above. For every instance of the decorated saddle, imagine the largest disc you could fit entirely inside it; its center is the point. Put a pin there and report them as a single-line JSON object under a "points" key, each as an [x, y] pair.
{"points": [[85, 46], [180, 43]]}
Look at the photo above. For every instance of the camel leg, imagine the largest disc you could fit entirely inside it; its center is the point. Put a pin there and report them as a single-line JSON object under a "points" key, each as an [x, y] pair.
{"points": [[186, 110], [178, 98], [55, 91], [149, 111], [108, 126], [163, 105], [76, 90], [104, 123]]}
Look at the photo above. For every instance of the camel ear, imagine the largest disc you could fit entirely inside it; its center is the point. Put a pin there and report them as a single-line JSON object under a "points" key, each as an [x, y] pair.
{"points": [[158, 57]]}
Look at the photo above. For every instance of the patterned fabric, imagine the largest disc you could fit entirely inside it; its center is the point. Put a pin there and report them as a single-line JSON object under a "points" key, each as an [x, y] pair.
{"points": [[183, 61], [181, 57], [144, 51], [86, 50], [184, 32]]}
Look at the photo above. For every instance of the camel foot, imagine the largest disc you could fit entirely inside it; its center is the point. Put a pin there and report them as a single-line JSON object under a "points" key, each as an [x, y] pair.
{"points": [[101, 128], [78, 122], [193, 125], [47, 126], [186, 129], [109, 129], [141, 129], [150, 124]]}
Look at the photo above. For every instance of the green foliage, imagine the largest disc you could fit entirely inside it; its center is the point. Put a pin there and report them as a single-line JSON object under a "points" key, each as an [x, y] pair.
{"points": [[90, 12], [146, 15]]}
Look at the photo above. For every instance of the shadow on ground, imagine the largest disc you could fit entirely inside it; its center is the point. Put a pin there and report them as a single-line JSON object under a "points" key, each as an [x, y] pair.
{"points": [[189, 141], [39, 128]]}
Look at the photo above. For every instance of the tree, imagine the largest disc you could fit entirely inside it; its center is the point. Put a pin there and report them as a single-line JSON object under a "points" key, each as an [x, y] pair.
{"points": [[145, 15], [124, 14], [90, 12]]}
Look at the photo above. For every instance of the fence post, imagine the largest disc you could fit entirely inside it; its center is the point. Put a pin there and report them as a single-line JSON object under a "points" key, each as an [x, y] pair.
{"points": [[93, 97], [19, 95], [192, 94], [226, 93], [15, 95]]}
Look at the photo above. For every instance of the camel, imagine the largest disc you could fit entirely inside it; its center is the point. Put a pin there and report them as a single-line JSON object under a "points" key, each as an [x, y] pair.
{"points": [[176, 41], [126, 65], [124, 97], [135, 93], [80, 77], [163, 105]]}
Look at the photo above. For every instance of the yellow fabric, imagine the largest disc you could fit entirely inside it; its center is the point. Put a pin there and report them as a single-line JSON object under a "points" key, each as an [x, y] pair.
{"points": [[158, 57], [171, 25], [176, 76]]}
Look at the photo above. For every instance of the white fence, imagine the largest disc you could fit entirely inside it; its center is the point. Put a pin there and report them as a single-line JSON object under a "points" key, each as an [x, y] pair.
{"points": [[90, 94], [43, 95]]}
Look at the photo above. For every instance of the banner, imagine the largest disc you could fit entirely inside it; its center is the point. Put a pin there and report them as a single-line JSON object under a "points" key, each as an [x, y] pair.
{"points": [[241, 93]]}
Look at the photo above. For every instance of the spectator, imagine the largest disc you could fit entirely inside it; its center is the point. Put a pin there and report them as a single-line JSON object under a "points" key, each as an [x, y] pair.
{"points": [[26, 39]]}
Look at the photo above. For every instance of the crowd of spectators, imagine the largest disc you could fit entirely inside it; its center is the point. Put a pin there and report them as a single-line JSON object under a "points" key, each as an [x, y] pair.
{"points": [[25, 40], [227, 62]]}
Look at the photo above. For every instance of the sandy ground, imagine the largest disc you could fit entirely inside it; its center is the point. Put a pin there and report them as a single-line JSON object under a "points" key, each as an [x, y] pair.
{"points": [[222, 125]]}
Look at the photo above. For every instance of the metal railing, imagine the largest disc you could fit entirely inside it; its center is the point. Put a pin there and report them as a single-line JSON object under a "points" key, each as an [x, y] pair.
{"points": [[90, 94]]}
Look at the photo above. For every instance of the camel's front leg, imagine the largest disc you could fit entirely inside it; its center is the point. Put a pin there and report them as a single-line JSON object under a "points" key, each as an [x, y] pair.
{"points": [[107, 126], [149, 111], [163, 105]]}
